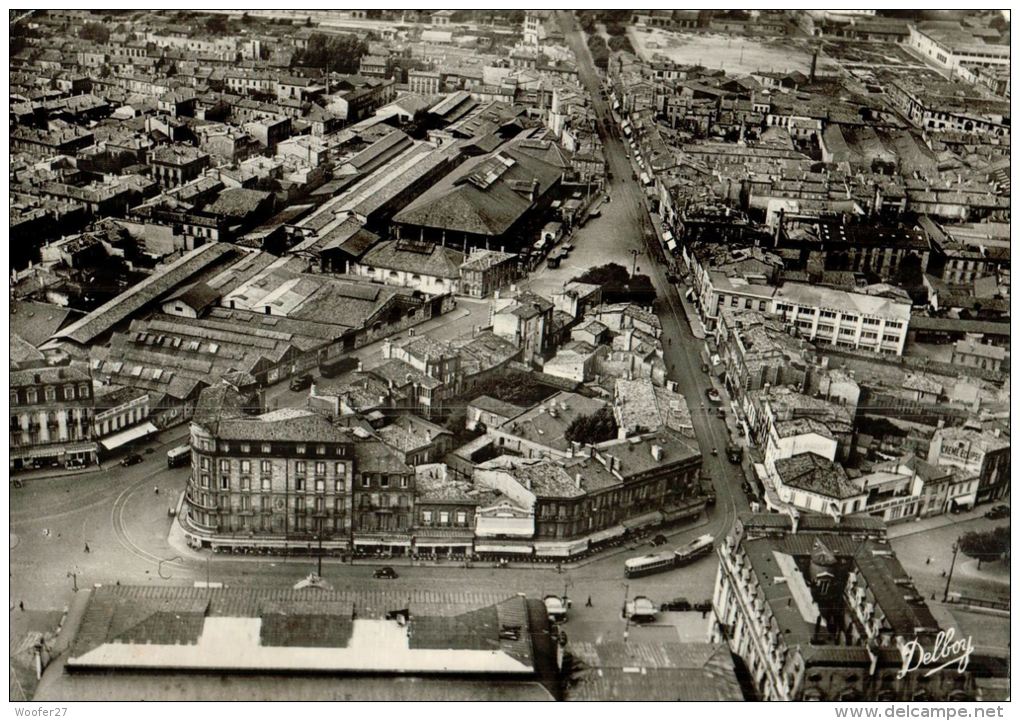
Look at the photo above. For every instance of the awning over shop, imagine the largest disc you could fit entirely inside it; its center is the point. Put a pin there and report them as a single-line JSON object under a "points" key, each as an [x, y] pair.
{"points": [[499, 548], [689, 294], [561, 549], [127, 435], [671, 245], [496, 526], [437, 542], [648, 519], [667, 236], [607, 534], [402, 542]]}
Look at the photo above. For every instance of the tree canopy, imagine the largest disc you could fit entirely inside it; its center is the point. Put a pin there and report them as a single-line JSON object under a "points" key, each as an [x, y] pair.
{"points": [[618, 286], [520, 389], [96, 32], [985, 545], [339, 53], [595, 428]]}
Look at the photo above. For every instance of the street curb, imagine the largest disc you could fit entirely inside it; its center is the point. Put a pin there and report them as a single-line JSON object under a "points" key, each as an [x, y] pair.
{"points": [[933, 527], [68, 473]]}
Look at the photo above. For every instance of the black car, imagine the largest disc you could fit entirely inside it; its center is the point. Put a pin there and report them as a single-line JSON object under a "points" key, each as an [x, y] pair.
{"points": [[997, 512], [300, 383], [385, 572], [131, 459], [713, 395], [677, 604], [702, 607], [660, 540]]}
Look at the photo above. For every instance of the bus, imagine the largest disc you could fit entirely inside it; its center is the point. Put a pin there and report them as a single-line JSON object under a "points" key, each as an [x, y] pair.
{"points": [[179, 456], [646, 565], [700, 546]]}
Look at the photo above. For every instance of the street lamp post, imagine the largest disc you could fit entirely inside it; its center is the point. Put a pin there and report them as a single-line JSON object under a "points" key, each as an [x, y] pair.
{"points": [[633, 268], [949, 579]]}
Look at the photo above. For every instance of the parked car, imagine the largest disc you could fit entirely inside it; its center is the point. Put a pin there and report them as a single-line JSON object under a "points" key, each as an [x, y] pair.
{"points": [[660, 540], [131, 459], [385, 572], [568, 247], [997, 512], [702, 606], [300, 383], [677, 604], [74, 463], [713, 395]]}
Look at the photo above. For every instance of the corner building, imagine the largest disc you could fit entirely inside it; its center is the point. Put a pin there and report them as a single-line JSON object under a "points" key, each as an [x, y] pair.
{"points": [[281, 479]]}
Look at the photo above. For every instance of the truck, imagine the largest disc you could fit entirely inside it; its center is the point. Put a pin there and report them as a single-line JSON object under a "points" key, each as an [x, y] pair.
{"points": [[556, 608], [640, 610]]}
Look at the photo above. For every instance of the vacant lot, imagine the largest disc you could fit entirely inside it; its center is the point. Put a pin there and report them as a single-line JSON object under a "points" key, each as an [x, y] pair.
{"points": [[735, 55]]}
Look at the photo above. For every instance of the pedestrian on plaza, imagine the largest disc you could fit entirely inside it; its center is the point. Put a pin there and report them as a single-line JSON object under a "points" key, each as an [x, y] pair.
{"points": [[87, 549], [155, 489], [928, 562], [21, 605], [589, 604], [943, 574]]}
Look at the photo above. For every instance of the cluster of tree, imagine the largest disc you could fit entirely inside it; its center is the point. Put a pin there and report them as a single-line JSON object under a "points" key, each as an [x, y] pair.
{"points": [[986, 545], [217, 25], [595, 428], [618, 286], [520, 389], [586, 19], [621, 44], [338, 53], [599, 50], [96, 32]]}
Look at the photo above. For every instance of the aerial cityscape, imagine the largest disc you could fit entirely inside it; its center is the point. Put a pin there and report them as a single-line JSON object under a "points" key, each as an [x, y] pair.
{"points": [[509, 355]]}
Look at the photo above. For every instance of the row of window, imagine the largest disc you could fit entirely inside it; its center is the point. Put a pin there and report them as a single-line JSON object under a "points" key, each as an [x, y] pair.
{"points": [[444, 518], [50, 393], [266, 467], [266, 484], [206, 444]]}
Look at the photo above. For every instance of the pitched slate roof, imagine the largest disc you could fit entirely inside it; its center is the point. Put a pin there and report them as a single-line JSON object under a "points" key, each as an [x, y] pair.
{"points": [[164, 279], [484, 196], [669, 671], [286, 424], [816, 474], [423, 259]]}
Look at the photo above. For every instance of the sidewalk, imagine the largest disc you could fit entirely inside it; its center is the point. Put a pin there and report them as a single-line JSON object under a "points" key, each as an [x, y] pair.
{"points": [[693, 319], [177, 541], [909, 528], [44, 474]]}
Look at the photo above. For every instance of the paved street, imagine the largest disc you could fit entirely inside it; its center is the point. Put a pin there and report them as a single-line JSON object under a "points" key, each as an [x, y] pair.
{"points": [[627, 214]]}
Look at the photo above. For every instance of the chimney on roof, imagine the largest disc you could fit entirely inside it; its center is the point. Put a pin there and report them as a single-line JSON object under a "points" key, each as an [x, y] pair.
{"points": [[657, 452], [359, 365], [577, 480]]}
